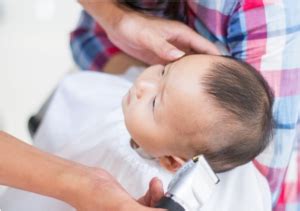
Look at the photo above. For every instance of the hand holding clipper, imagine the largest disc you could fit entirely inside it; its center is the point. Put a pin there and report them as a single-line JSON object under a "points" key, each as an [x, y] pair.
{"points": [[191, 186]]}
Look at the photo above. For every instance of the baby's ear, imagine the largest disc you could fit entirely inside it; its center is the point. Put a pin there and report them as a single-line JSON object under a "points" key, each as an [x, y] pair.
{"points": [[171, 163]]}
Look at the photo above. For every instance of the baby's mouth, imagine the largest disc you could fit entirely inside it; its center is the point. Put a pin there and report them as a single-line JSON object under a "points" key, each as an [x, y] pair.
{"points": [[133, 144], [140, 151]]}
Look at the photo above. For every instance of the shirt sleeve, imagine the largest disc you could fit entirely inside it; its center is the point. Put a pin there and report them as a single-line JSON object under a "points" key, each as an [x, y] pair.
{"points": [[90, 46], [266, 34]]}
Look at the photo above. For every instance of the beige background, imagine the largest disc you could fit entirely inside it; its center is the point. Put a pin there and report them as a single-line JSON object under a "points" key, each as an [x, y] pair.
{"points": [[34, 55]]}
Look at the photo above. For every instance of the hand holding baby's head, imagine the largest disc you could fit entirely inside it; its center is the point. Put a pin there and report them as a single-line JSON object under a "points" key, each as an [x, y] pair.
{"points": [[200, 104]]}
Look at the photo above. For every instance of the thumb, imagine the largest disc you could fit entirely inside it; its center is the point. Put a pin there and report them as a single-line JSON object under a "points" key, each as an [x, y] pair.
{"points": [[163, 49], [156, 191]]}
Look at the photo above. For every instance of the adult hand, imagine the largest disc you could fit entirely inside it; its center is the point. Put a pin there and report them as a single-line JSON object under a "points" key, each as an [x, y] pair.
{"points": [[154, 193], [156, 40], [87, 189], [99, 191]]}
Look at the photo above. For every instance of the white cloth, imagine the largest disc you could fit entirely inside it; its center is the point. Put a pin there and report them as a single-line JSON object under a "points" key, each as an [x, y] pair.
{"points": [[85, 123]]}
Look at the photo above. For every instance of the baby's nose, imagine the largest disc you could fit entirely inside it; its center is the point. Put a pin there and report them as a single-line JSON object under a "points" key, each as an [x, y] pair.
{"points": [[144, 86]]}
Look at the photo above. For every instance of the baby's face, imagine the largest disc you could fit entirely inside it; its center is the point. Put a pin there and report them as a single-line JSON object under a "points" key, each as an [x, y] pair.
{"points": [[166, 105]]}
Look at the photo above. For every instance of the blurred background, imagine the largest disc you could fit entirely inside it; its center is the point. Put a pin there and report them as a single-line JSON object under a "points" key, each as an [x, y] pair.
{"points": [[34, 56]]}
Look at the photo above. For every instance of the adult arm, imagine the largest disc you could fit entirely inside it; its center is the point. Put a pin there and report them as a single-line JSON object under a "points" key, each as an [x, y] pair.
{"points": [[25, 167], [266, 34]]}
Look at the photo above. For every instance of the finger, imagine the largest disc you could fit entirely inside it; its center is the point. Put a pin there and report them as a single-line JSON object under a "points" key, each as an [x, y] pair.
{"points": [[196, 42], [156, 191], [146, 199], [162, 48], [151, 59]]}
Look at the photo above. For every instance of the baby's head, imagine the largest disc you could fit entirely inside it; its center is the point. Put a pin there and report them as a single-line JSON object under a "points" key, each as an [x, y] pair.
{"points": [[200, 104]]}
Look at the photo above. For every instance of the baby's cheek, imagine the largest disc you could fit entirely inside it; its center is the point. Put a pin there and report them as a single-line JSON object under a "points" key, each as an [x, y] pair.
{"points": [[134, 123]]}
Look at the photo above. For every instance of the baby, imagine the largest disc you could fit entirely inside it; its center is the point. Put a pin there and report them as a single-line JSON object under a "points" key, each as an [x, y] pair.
{"points": [[200, 104]]}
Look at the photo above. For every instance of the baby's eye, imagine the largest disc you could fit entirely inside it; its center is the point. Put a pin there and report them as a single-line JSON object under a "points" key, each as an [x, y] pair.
{"points": [[153, 103], [163, 72]]}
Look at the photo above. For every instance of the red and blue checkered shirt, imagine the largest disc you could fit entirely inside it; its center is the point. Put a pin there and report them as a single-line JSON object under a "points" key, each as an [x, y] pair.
{"points": [[264, 33]]}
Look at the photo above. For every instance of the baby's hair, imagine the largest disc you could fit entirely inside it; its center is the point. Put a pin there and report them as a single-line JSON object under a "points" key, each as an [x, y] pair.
{"points": [[246, 100]]}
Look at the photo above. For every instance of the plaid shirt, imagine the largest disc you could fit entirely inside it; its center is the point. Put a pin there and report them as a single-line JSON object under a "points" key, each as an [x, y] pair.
{"points": [[264, 33]]}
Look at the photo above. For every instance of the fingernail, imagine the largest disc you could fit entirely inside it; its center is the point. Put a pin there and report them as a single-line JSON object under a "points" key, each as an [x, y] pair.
{"points": [[175, 54]]}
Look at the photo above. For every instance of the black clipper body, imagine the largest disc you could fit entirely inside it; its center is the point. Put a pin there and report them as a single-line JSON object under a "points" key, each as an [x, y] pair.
{"points": [[191, 186]]}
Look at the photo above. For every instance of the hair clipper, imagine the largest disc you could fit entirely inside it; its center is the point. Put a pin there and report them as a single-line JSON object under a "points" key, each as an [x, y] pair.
{"points": [[191, 187]]}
